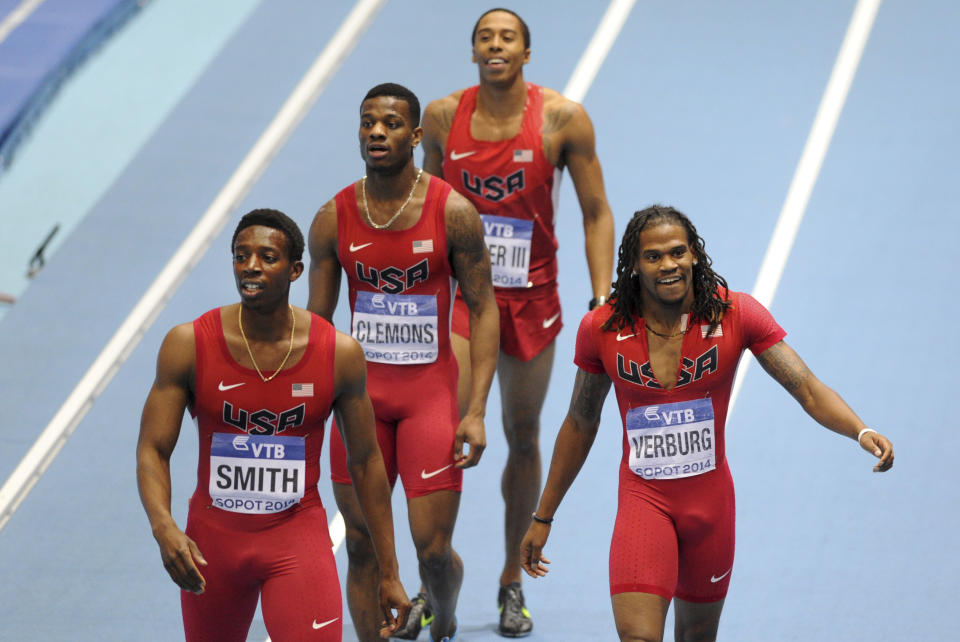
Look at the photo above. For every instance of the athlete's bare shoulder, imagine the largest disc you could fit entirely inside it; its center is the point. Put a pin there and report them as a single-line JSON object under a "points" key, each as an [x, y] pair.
{"points": [[438, 116], [461, 217], [560, 113], [322, 238], [177, 360], [350, 367]]}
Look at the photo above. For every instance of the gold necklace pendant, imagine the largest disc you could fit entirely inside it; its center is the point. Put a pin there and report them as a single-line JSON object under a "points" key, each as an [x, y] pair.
{"points": [[377, 226], [293, 329]]}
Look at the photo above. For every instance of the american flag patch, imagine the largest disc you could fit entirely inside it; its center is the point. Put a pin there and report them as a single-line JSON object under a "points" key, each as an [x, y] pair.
{"points": [[423, 247], [717, 332], [301, 390], [523, 156]]}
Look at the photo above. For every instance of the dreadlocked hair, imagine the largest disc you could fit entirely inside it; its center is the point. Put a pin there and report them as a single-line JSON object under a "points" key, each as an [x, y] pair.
{"points": [[710, 294]]}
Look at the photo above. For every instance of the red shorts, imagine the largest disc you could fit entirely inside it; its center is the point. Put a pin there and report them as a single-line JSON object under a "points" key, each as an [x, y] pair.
{"points": [[674, 537], [289, 565], [417, 421], [527, 324]]}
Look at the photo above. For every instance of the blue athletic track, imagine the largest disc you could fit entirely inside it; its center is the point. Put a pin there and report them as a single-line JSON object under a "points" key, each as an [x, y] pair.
{"points": [[703, 105]]}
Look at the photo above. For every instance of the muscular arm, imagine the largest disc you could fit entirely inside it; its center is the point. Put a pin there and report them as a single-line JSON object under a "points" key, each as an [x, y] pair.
{"points": [[324, 262], [437, 119], [355, 420], [471, 265], [822, 403], [578, 153], [159, 431], [573, 444]]}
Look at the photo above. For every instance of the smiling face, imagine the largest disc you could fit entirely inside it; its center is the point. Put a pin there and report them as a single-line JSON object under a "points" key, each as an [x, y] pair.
{"points": [[262, 267], [387, 136], [499, 48], [664, 267]]}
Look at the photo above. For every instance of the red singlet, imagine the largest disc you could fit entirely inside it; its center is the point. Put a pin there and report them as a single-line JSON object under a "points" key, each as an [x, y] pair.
{"points": [[401, 288], [255, 514], [515, 189], [674, 533]]}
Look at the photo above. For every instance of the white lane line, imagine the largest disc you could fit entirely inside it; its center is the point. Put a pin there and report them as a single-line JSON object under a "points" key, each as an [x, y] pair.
{"points": [[805, 177], [16, 17], [596, 52], [52, 439]]}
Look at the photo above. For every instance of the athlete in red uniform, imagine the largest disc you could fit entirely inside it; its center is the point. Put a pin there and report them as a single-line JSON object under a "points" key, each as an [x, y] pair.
{"points": [[670, 340], [260, 377], [503, 144], [404, 238]]}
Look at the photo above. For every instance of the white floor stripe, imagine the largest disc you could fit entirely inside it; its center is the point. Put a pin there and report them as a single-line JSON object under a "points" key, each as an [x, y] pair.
{"points": [[16, 17], [596, 52], [805, 177], [43, 451]]}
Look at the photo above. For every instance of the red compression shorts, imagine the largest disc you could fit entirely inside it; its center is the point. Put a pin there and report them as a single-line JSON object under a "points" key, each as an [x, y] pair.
{"points": [[416, 428], [527, 324], [288, 564], [674, 537]]}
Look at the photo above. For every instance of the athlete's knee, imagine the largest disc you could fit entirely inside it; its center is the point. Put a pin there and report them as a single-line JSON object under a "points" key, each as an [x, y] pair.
{"points": [[704, 631], [359, 547], [523, 439], [436, 559]]}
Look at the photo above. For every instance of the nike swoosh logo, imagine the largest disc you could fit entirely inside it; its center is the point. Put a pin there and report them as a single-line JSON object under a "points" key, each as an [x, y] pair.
{"points": [[717, 579], [323, 624], [354, 248], [455, 156], [224, 388], [624, 338], [425, 475], [549, 322]]}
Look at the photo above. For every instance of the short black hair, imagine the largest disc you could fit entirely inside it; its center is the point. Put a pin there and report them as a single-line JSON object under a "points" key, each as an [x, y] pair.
{"points": [[278, 221], [394, 90], [523, 26]]}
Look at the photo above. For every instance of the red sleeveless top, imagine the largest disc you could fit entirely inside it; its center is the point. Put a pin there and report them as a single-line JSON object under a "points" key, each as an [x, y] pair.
{"points": [[250, 429], [514, 180], [401, 285]]}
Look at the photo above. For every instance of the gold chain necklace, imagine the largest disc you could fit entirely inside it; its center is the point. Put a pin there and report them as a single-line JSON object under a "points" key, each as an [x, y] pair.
{"points": [[293, 328], [376, 226]]}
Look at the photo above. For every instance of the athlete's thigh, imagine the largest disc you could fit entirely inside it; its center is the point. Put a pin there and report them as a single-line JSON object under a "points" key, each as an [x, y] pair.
{"points": [[523, 387], [426, 438], [696, 620], [300, 595], [706, 529], [639, 616], [432, 518], [226, 608], [643, 549]]}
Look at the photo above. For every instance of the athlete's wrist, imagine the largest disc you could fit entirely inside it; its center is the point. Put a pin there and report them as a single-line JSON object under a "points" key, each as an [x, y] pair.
{"points": [[596, 302], [862, 433]]}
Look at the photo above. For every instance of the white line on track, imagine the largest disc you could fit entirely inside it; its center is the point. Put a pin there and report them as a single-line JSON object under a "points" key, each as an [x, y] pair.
{"points": [[16, 17], [596, 52], [54, 436], [805, 176]]}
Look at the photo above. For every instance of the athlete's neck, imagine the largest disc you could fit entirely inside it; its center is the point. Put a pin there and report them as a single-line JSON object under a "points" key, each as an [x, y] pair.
{"points": [[266, 323], [387, 185], [665, 317], [502, 100]]}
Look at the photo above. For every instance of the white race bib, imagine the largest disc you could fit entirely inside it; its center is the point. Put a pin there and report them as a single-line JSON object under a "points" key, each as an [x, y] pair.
{"points": [[508, 241], [256, 474], [672, 440], [396, 328]]}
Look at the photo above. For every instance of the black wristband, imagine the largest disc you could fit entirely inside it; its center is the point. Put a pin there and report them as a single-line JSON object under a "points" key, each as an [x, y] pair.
{"points": [[537, 518], [596, 302]]}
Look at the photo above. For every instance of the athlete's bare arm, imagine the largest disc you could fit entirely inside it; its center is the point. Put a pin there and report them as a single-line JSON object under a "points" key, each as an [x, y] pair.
{"points": [[324, 262], [471, 266], [159, 431], [821, 402], [437, 121], [574, 441], [569, 141], [356, 423]]}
